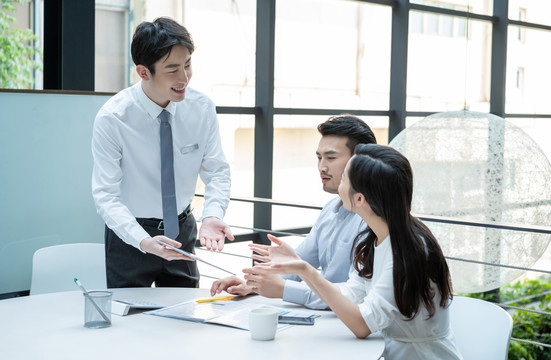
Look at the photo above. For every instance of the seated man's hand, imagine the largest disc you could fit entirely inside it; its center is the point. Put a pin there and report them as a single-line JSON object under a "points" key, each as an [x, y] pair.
{"points": [[213, 232], [268, 285], [151, 246], [232, 285]]}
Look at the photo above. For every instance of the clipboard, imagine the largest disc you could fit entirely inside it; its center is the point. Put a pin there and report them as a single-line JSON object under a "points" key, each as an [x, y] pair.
{"points": [[193, 256]]}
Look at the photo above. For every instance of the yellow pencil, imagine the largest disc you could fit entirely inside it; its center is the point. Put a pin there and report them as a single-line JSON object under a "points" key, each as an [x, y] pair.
{"points": [[215, 299]]}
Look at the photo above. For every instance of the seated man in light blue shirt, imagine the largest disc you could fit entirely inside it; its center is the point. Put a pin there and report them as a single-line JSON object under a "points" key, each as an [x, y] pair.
{"points": [[329, 243]]}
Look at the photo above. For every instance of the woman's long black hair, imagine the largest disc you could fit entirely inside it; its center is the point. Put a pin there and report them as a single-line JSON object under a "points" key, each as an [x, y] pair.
{"points": [[385, 179]]}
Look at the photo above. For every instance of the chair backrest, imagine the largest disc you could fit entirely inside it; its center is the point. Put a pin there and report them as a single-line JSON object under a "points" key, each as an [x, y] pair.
{"points": [[55, 267], [482, 329]]}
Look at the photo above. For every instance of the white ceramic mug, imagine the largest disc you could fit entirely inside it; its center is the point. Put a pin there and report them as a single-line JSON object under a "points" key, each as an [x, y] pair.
{"points": [[263, 323]]}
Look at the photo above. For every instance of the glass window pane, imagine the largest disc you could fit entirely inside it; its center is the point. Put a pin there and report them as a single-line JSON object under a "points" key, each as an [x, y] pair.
{"points": [[111, 44], [416, 22], [224, 32], [482, 7], [528, 76], [446, 25], [410, 120], [538, 130], [237, 135], [295, 175], [332, 54], [531, 11], [432, 24], [20, 64], [445, 72]]}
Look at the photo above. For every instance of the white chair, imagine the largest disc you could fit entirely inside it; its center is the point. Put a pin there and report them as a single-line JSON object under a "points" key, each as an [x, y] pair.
{"points": [[56, 267], [482, 329]]}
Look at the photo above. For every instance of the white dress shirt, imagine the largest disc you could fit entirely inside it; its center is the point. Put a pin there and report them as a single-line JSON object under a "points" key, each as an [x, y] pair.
{"points": [[126, 178], [420, 338], [328, 246]]}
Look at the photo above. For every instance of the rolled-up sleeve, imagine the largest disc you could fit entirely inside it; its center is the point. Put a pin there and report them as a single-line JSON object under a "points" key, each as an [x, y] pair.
{"points": [[377, 312], [375, 297]]}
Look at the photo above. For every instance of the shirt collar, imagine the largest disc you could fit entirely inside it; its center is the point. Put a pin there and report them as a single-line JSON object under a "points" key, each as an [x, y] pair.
{"points": [[338, 206], [151, 107], [340, 211]]}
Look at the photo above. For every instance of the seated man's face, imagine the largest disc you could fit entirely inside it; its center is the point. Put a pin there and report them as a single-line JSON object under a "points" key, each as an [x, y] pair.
{"points": [[333, 154]]}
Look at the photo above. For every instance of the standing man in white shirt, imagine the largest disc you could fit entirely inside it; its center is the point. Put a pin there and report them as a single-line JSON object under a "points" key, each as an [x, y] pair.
{"points": [[126, 179], [329, 243]]}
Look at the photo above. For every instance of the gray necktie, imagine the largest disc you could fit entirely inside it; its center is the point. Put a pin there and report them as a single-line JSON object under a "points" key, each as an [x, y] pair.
{"points": [[168, 189]]}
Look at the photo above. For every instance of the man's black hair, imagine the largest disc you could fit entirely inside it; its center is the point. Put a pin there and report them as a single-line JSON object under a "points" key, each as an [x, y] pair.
{"points": [[154, 40], [357, 131]]}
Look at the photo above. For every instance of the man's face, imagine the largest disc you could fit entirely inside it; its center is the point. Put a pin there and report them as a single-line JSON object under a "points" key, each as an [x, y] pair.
{"points": [[333, 154], [172, 76], [344, 189]]}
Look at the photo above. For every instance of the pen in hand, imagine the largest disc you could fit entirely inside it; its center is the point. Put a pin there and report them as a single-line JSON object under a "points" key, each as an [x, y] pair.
{"points": [[93, 302]]}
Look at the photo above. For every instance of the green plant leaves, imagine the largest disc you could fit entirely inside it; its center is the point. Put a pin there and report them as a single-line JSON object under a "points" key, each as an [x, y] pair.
{"points": [[18, 48]]}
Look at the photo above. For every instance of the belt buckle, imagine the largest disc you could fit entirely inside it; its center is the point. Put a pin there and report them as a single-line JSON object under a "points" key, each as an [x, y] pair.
{"points": [[161, 225], [185, 214]]}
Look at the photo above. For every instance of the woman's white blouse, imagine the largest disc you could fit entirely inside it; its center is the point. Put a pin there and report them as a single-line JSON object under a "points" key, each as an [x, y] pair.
{"points": [[420, 338]]}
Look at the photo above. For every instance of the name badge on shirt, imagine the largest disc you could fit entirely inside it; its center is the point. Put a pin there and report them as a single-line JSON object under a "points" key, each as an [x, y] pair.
{"points": [[189, 148]]}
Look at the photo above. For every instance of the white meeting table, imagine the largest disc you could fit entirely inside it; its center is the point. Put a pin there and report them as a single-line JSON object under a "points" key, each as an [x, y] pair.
{"points": [[51, 326]]}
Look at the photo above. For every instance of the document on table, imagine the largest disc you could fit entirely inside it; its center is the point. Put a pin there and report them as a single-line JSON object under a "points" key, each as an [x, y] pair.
{"points": [[123, 307], [229, 313]]}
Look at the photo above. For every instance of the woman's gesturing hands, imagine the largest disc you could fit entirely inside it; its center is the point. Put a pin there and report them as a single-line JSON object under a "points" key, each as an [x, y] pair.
{"points": [[277, 259]]}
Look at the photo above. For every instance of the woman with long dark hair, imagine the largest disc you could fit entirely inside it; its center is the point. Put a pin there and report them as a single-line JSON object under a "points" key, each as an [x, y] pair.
{"points": [[402, 285]]}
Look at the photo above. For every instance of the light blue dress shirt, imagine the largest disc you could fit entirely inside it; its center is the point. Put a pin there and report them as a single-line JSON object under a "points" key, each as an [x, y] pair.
{"points": [[327, 246]]}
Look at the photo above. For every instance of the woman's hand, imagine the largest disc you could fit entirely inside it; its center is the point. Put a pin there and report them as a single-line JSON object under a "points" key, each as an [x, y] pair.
{"points": [[276, 259], [291, 267], [281, 252], [282, 259]]}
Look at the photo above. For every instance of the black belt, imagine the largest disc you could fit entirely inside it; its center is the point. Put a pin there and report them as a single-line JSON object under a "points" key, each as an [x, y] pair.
{"points": [[159, 224]]}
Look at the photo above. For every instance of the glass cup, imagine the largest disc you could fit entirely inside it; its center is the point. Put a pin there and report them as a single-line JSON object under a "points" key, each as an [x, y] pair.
{"points": [[97, 309], [263, 323]]}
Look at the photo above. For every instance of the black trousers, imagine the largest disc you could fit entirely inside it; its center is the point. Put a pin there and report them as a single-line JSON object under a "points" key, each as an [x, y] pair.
{"points": [[129, 267]]}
